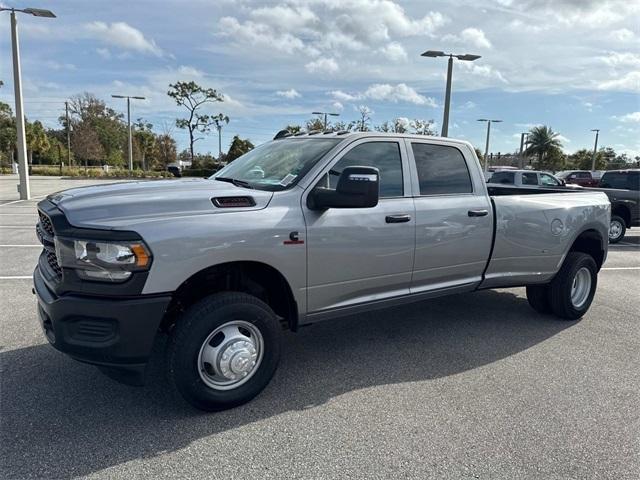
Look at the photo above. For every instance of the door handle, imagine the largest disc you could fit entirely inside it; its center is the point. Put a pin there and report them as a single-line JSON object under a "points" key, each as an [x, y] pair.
{"points": [[397, 218], [478, 213]]}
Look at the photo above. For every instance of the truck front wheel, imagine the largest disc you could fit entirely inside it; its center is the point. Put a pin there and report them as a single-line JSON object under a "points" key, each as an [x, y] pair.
{"points": [[224, 350]]}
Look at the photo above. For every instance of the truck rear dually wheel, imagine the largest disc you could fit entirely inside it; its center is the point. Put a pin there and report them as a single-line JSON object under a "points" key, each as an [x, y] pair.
{"points": [[224, 350], [572, 289]]}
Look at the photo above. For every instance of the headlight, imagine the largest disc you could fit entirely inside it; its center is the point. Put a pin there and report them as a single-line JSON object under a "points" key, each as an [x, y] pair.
{"points": [[103, 260]]}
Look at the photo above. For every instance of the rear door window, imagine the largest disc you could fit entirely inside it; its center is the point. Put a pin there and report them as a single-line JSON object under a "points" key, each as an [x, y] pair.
{"points": [[529, 178], [504, 178], [441, 169]]}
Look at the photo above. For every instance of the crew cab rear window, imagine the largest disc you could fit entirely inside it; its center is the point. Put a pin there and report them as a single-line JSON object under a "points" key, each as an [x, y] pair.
{"points": [[530, 178], [385, 156], [505, 178], [441, 169]]}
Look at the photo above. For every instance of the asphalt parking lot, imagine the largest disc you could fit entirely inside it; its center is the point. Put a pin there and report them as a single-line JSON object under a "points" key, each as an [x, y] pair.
{"points": [[472, 386]]}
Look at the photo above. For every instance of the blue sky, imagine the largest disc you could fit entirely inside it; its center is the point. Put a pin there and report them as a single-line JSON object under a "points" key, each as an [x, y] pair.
{"points": [[570, 64]]}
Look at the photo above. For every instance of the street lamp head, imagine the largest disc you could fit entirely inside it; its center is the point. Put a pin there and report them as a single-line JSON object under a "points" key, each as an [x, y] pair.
{"points": [[139, 98], [595, 129], [40, 12], [433, 53], [482, 120], [468, 57], [316, 113], [334, 114], [496, 121], [118, 96]]}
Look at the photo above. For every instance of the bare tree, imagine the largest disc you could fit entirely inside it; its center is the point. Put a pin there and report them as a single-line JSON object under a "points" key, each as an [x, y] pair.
{"points": [[365, 118], [192, 96]]}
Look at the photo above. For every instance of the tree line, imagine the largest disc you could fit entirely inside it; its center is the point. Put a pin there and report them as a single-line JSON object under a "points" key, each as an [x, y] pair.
{"points": [[98, 136]]}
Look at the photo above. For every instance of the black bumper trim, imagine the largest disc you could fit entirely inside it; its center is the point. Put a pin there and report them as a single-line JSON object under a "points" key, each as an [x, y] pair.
{"points": [[115, 333]]}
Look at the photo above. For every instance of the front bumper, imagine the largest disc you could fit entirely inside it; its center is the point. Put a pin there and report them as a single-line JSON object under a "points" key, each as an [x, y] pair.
{"points": [[116, 334]]}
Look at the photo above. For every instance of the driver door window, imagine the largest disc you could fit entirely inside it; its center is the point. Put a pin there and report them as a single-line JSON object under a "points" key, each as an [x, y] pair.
{"points": [[547, 180], [530, 178], [385, 156]]}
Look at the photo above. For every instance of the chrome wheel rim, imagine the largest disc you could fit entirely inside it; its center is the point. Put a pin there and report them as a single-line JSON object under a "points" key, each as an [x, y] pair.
{"points": [[230, 355], [615, 229], [581, 287]]}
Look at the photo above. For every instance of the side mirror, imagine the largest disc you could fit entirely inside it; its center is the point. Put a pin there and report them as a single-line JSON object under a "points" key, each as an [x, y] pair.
{"points": [[358, 187], [562, 182]]}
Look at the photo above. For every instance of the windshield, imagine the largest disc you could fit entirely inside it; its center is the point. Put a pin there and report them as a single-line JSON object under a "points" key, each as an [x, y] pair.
{"points": [[278, 164]]}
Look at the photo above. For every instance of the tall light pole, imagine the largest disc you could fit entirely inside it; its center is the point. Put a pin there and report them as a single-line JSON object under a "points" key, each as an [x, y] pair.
{"points": [[325, 116], [595, 149], [447, 98], [129, 97], [486, 148], [523, 136], [23, 169]]}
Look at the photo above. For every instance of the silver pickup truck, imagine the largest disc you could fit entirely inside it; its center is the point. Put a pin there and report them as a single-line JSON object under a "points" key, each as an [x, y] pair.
{"points": [[301, 229]]}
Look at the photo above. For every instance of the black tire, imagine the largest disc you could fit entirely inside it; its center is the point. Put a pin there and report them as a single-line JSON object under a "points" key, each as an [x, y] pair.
{"points": [[622, 229], [561, 286], [538, 297], [196, 325]]}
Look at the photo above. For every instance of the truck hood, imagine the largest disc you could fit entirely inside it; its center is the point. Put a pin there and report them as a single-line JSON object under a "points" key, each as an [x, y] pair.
{"points": [[120, 205]]}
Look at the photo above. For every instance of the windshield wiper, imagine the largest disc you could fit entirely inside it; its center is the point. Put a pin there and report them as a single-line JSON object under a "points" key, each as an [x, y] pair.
{"points": [[235, 181]]}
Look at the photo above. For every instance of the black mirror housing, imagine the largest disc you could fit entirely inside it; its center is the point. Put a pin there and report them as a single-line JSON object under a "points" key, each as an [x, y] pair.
{"points": [[358, 187]]}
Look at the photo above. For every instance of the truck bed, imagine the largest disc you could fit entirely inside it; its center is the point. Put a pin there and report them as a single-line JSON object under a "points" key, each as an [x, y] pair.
{"points": [[535, 227]]}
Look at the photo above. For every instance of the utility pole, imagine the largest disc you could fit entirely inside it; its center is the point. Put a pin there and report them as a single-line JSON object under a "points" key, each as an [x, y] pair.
{"points": [[25, 192], [219, 127], [486, 149], [325, 117], [23, 168], [595, 150], [66, 115], [523, 135], [128, 97], [447, 98]]}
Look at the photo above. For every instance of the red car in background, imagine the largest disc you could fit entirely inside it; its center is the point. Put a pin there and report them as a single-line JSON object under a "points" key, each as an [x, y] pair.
{"points": [[578, 177]]}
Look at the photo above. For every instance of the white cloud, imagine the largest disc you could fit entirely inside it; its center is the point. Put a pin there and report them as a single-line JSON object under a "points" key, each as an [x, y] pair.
{"points": [[469, 36], [563, 139], [259, 34], [622, 35], [344, 96], [397, 93], [291, 93], [626, 83], [104, 53], [622, 59], [322, 65], [628, 118], [123, 35], [484, 70], [394, 52], [337, 106]]}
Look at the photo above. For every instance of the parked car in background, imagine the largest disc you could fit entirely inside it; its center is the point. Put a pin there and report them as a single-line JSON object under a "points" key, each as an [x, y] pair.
{"points": [[497, 168], [584, 178], [623, 189], [525, 178]]}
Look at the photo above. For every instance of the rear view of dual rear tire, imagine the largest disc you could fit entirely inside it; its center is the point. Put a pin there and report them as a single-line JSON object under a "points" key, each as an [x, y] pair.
{"points": [[224, 350], [570, 293]]}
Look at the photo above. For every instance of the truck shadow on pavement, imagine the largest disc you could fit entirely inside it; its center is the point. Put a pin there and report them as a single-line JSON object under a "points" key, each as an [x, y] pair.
{"points": [[63, 419]]}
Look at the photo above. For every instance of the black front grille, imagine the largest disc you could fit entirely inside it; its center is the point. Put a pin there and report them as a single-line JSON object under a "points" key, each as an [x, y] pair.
{"points": [[45, 224], [46, 234], [52, 261]]}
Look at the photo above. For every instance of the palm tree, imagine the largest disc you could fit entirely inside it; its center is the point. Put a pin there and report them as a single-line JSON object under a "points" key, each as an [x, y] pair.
{"points": [[541, 141]]}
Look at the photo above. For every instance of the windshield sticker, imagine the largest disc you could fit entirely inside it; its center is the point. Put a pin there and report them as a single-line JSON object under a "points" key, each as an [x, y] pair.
{"points": [[288, 179]]}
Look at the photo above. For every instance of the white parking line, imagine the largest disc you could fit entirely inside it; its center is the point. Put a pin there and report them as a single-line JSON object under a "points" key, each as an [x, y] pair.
{"points": [[17, 277], [18, 226], [620, 268], [20, 246], [20, 214]]}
